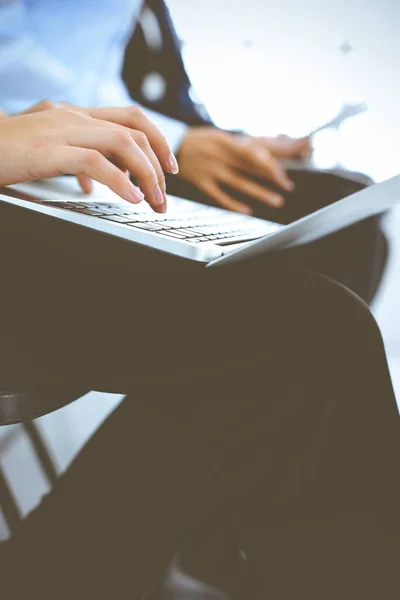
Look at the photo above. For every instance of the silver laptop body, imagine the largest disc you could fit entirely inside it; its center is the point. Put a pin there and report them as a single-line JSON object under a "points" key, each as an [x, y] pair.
{"points": [[194, 231]]}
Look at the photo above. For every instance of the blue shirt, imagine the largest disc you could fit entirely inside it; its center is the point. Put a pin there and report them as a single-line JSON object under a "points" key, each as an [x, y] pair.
{"points": [[69, 50]]}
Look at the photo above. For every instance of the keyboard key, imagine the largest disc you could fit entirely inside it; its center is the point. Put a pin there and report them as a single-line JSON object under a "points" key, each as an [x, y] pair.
{"points": [[146, 226], [122, 218], [141, 218], [96, 211], [204, 239], [122, 213], [194, 224], [99, 211], [174, 234], [112, 218], [57, 204], [237, 240], [86, 211], [189, 233]]}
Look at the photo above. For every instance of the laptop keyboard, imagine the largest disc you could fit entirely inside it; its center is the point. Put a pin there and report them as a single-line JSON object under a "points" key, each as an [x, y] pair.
{"points": [[199, 224]]}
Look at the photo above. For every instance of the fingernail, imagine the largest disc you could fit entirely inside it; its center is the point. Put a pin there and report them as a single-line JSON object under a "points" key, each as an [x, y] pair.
{"points": [[158, 196], [288, 184], [172, 164], [276, 200], [135, 194], [283, 180], [88, 186], [246, 210]]}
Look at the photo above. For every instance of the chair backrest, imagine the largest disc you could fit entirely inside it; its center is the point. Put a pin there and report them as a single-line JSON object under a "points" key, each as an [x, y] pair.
{"points": [[160, 69], [19, 406], [8, 502]]}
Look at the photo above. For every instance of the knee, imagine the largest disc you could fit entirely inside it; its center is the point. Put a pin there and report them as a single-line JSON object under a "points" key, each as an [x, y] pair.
{"points": [[351, 322], [329, 311]]}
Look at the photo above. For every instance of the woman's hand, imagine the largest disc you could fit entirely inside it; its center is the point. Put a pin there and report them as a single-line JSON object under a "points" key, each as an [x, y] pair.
{"points": [[104, 144], [285, 147], [209, 158]]}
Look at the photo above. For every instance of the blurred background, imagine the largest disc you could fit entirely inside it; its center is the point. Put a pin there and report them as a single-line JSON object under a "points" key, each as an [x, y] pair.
{"points": [[269, 68], [289, 66]]}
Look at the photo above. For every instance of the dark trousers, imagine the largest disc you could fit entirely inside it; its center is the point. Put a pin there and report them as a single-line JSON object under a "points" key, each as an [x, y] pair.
{"points": [[258, 396], [270, 407]]}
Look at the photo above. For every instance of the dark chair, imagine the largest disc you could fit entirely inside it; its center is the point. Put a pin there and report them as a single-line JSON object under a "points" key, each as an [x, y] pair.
{"points": [[23, 408], [161, 70]]}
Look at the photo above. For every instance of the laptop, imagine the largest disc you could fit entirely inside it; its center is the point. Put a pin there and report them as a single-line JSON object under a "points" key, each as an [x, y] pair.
{"points": [[210, 235]]}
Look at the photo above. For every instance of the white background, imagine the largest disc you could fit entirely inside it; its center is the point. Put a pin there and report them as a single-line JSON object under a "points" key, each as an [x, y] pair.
{"points": [[273, 67]]}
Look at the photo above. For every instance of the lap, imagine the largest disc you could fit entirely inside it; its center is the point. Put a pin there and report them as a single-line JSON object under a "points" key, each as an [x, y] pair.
{"points": [[282, 348], [111, 325], [349, 555], [173, 458]]}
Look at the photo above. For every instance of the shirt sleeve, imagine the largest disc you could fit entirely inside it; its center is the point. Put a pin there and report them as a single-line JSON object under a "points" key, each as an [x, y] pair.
{"points": [[28, 73]]}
